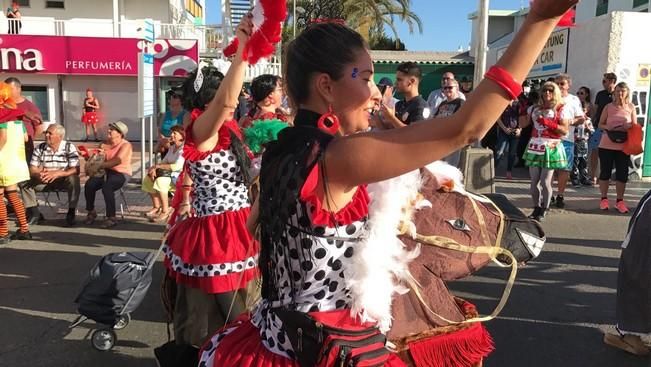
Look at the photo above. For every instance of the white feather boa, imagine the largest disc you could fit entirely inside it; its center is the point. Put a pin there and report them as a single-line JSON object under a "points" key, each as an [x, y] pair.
{"points": [[381, 260]]}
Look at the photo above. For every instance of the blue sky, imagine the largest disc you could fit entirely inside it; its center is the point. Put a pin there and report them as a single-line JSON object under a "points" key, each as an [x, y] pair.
{"points": [[445, 27]]}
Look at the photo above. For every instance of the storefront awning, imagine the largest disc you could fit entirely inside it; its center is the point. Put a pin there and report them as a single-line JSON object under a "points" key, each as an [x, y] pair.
{"points": [[422, 57]]}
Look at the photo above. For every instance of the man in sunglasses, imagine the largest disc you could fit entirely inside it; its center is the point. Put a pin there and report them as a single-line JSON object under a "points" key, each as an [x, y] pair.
{"points": [[449, 107], [438, 96], [603, 98]]}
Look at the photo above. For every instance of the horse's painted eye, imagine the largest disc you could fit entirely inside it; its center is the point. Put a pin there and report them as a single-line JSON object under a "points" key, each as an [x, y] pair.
{"points": [[459, 224]]}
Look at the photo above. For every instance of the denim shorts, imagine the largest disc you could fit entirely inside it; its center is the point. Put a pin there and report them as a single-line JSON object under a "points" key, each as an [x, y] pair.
{"points": [[569, 153], [595, 139]]}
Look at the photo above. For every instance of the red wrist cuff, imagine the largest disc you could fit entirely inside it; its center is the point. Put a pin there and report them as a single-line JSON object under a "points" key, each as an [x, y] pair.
{"points": [[505, 80]]}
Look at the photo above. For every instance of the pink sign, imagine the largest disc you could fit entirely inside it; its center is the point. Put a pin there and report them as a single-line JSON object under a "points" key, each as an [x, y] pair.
{"points": [[93, 55]]}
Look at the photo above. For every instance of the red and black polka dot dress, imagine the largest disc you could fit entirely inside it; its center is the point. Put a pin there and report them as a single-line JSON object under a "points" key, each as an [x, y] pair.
{"points": [[213, 250]]}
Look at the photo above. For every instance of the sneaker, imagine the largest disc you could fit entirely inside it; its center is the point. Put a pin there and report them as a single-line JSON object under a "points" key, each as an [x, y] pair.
{"points": [[621, 207], [541, 215], [629, 343], [603, 204], [560, 202], [535, 213], [21, 236], [5, 240]]}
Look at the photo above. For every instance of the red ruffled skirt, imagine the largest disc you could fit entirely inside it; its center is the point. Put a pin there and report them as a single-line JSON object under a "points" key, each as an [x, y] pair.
{"points": [[242, 347], [215, 253], [90, 118]]}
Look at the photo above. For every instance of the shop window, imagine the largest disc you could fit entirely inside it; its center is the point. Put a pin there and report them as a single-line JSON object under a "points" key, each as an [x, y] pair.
{"points": [[194, 8], [602, 7], [54, 4], [39, 96], [637, 3]]}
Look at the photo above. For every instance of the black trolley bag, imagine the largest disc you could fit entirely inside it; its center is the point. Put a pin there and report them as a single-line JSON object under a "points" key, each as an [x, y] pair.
{"points": [[115, 287]]}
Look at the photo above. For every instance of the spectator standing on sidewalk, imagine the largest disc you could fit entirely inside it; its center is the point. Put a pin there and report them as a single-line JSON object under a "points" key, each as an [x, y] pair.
{"points": [[603, 98], [54, 166], [580, 174], [572, 105], [508, 135], [447, 108], [545, 152], [437, 96], [616, 118], [413, 107]]}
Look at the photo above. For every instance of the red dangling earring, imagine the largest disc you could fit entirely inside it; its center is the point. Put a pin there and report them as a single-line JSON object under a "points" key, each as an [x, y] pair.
{"points": [[328, 122]]}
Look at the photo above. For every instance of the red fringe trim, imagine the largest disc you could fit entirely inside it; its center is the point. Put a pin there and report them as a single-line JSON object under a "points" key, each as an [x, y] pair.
{"points": [[190, 151], [567, 20], [463, 348]]}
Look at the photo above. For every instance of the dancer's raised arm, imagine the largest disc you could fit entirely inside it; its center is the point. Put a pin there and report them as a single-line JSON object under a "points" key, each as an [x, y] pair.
{"points": [[353, 160], [222, 106]]}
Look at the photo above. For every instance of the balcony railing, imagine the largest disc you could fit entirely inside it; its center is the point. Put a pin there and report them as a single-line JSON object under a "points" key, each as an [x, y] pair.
{"points": [[210, 38]]}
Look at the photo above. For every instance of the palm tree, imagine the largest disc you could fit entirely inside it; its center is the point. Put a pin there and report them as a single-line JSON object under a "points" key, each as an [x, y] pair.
{"points": [[370, 16], [366, 16]]}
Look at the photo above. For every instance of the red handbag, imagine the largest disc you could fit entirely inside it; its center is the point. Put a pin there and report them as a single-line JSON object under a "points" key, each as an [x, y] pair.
{"points": [[633, 145]]}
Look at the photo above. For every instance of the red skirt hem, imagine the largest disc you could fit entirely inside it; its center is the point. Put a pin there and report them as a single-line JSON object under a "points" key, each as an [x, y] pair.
{"points": [[214, 284], [213, 239]]}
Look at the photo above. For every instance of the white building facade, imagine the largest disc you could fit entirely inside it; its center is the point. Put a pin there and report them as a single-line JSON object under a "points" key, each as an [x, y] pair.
{"points": [[66, 46], [610, 36]]}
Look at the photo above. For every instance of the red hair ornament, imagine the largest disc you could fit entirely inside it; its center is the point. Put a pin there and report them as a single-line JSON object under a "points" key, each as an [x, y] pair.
{"points": [[268, 17]]}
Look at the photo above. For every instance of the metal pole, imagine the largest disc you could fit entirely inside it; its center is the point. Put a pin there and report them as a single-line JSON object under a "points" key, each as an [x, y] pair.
{"points": [[116, 19], [482, 43], [151, 140], [294, 19], [142, 149]]}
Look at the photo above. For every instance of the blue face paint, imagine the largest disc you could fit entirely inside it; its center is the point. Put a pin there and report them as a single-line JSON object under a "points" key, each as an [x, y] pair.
{"points": [[355, 72]]}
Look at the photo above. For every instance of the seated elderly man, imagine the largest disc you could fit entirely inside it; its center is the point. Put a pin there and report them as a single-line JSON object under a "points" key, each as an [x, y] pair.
{"points": [[54, 167]]}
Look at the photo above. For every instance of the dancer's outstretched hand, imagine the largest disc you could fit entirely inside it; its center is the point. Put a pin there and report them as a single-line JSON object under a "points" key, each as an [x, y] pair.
{"points": [[548, 9], [244, 30]]}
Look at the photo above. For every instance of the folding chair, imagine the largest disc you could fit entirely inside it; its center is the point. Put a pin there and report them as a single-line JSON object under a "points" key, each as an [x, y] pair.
{"points": [[123, 202]]}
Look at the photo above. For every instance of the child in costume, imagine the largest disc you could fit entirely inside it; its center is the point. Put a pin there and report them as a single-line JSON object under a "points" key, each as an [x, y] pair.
{"points": [[317, 290]]}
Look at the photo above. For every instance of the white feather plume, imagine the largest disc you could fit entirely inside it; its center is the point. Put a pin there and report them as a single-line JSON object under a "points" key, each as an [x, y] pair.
{"points": [[381, 260]]}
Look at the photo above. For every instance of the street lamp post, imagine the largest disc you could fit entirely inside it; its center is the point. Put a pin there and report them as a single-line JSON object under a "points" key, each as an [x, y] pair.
{"points": [[294, 19], [482, 43]]}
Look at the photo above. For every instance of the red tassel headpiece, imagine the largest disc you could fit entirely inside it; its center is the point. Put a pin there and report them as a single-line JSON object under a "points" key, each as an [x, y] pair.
{"points": [[268, 16]]}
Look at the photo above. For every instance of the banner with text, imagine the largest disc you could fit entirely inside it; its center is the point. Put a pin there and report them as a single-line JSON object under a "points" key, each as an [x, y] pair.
{"points": [[93, 55]]}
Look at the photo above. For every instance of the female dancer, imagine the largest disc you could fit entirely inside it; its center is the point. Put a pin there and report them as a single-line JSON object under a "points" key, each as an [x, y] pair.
{"points": [[267, 96], [90, 118], [313, 203], [211, 256], [545, 153]]}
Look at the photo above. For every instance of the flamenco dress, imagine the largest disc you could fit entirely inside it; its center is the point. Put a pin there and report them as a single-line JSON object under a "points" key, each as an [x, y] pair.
{"points": [[211, 256], [305, 269]]}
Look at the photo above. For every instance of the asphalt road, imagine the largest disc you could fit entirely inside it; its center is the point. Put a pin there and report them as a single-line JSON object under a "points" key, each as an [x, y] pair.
{"points": [[560, 306]]}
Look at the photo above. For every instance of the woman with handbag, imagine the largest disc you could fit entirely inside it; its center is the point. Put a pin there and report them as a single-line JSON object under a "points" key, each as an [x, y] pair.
{"points": [[616, 119], [162, 176], [545, 152], [117, 165], [313, 205]]}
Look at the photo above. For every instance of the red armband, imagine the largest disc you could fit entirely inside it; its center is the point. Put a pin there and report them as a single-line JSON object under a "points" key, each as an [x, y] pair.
{"points": [[505, 80]]}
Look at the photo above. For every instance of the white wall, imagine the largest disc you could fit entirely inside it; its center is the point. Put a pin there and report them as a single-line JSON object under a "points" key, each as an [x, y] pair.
{"points": [[588, 54], [118, 97]]}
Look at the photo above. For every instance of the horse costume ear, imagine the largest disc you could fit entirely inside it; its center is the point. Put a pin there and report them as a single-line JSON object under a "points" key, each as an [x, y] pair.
{"points": [[268, 17]]}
